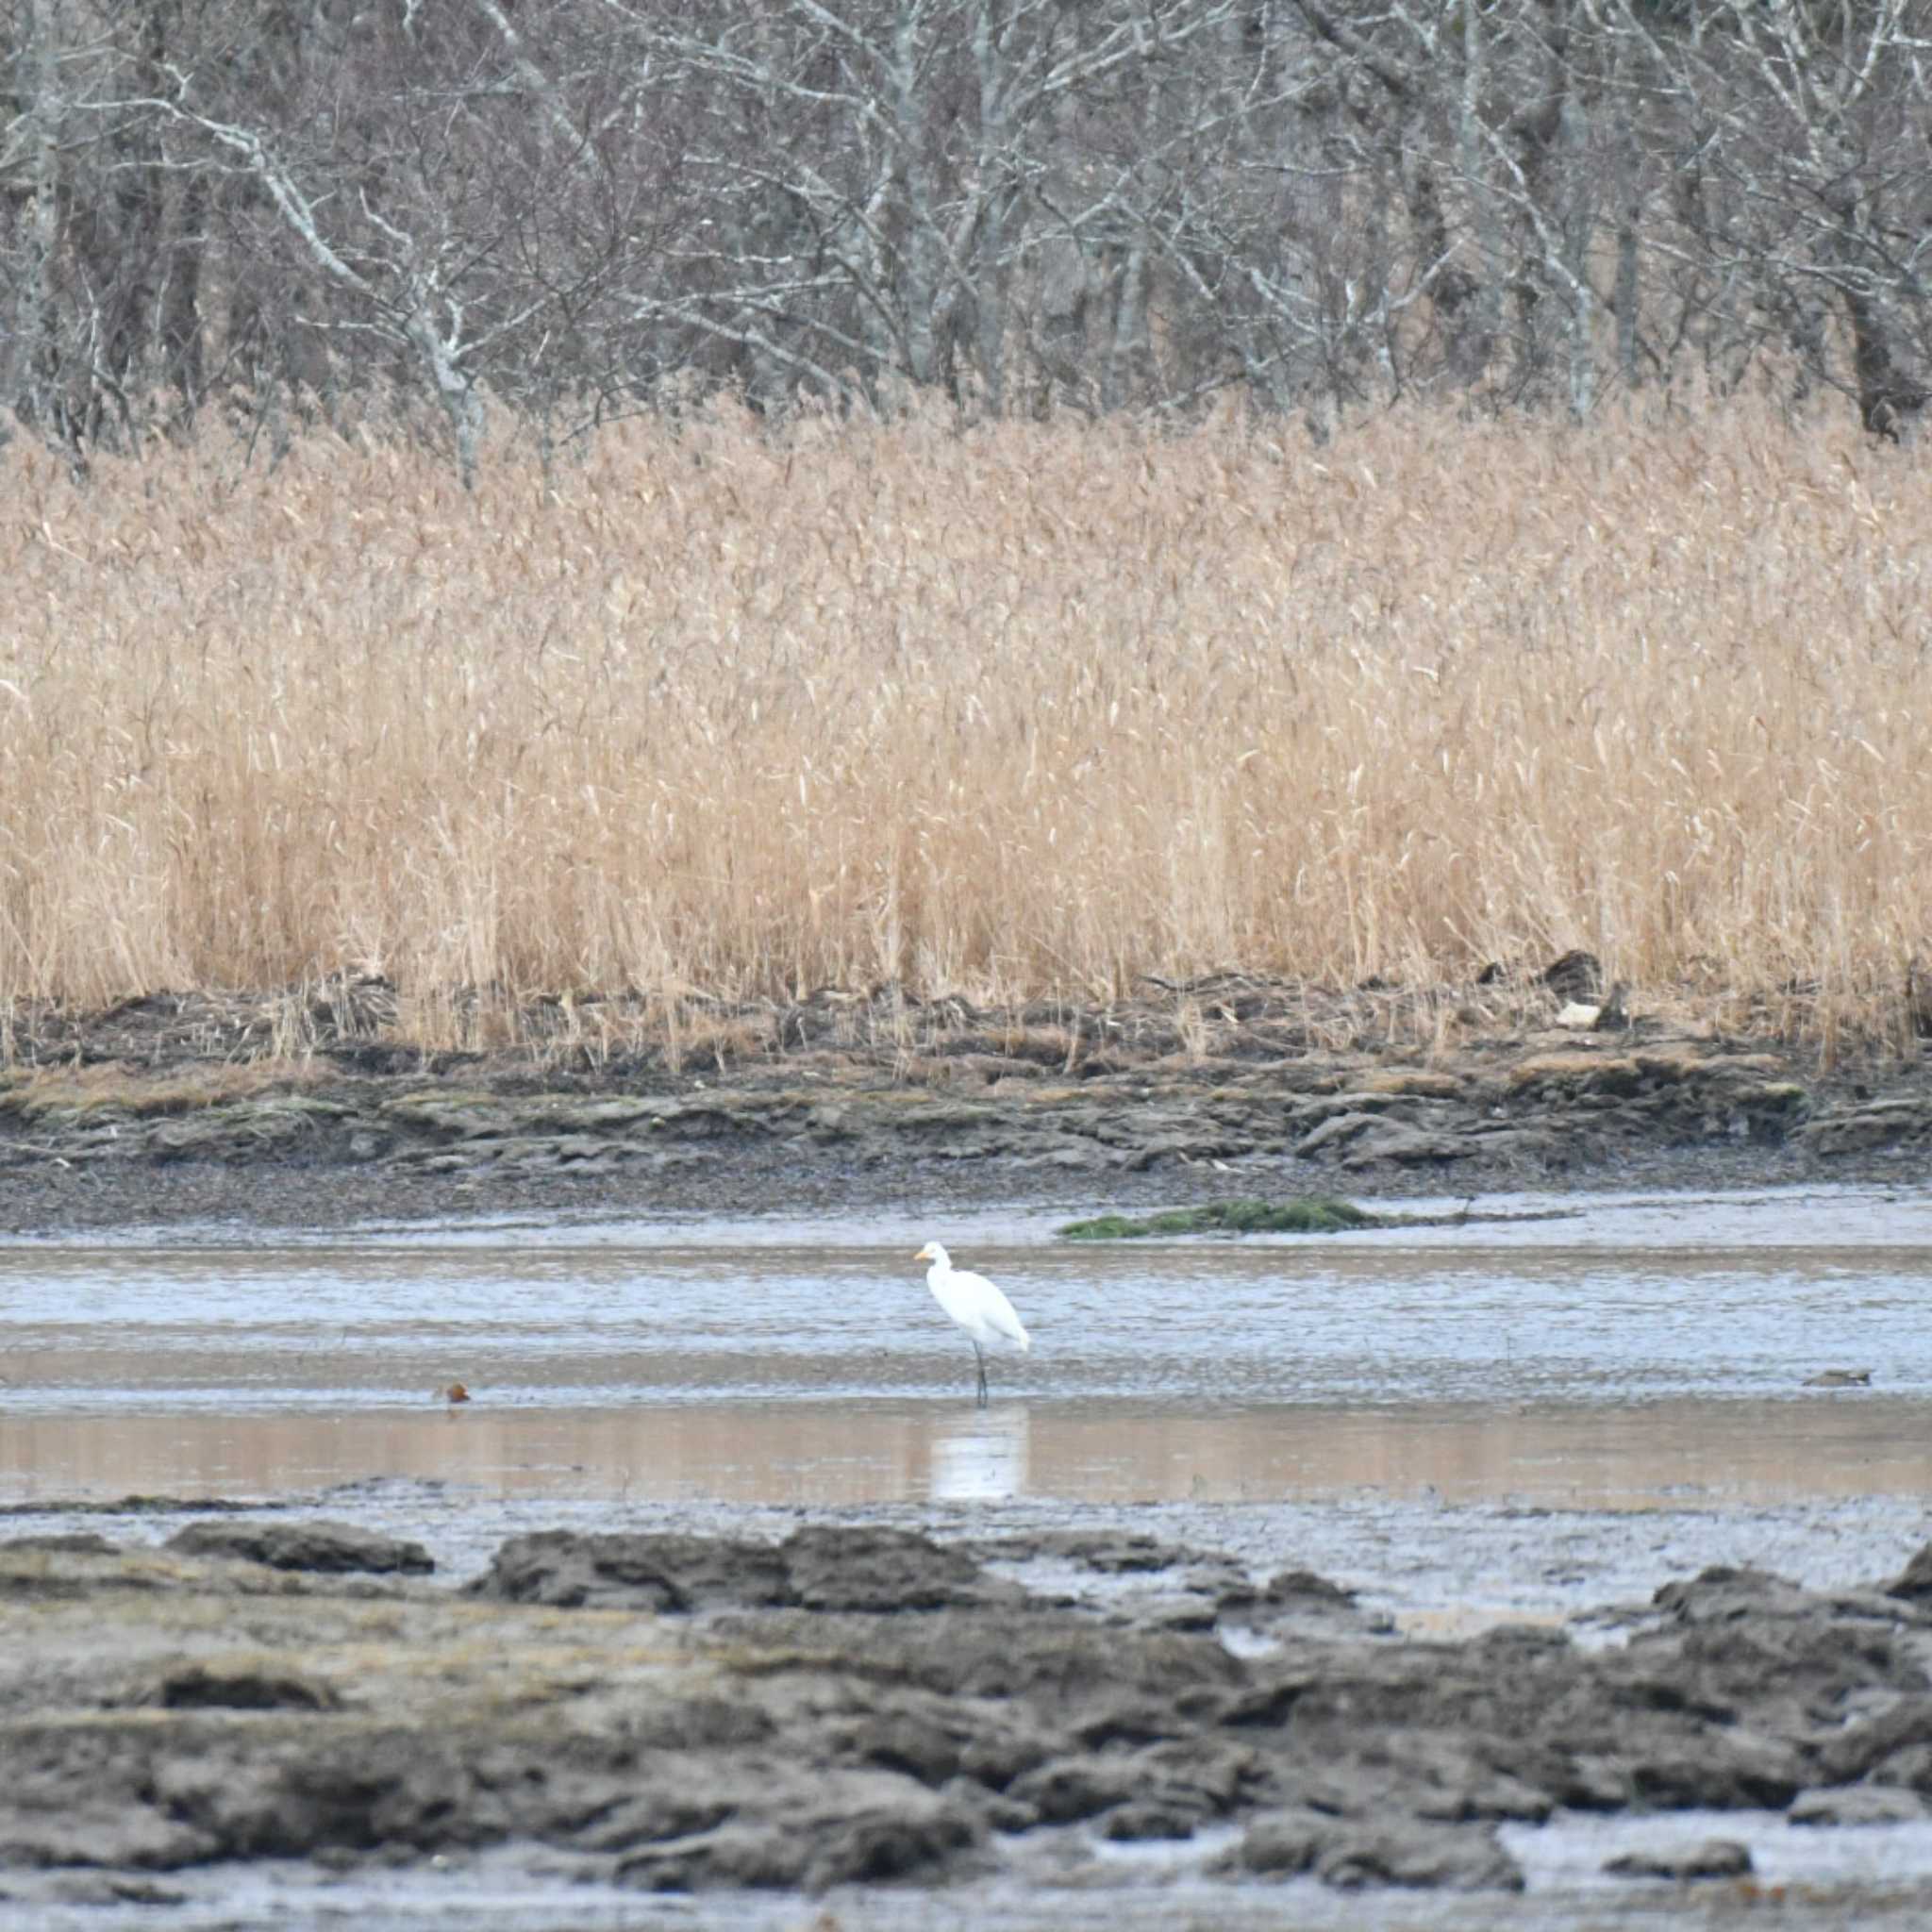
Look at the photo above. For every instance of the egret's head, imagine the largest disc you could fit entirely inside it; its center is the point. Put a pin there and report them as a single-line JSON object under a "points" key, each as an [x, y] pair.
{"points": [[931, 1252]]}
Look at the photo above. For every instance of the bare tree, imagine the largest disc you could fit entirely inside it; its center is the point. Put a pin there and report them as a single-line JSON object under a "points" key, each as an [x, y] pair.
{"points": [[561, 207]]}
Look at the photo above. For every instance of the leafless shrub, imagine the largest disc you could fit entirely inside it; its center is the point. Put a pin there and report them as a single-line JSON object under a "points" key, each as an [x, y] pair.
{"points": [[560, 211]]}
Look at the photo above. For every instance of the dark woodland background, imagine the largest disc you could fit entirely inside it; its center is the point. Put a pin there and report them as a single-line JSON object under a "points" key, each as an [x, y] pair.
{"points": [[435, 210]]}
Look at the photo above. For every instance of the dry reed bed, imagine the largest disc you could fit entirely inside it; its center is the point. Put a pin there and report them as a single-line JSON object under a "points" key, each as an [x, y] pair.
{"points": [[1034, 709]]}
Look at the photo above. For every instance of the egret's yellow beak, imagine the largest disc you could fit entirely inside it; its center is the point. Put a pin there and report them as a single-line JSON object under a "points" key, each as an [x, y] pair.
{"points": [[923, 1255]]}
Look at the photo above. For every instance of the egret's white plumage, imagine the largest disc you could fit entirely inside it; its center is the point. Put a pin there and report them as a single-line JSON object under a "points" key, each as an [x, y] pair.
{"points": [[976, 1304]]}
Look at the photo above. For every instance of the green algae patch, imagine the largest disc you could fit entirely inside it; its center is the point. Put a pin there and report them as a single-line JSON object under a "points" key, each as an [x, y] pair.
{"points": [[1308, 1214]]}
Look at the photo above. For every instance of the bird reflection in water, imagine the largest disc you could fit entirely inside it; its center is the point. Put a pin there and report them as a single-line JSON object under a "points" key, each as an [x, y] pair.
{"points": [[980, 1456]]}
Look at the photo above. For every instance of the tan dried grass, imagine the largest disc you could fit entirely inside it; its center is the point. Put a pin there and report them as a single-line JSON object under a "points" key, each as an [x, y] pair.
{"points": [[114, 1087], [1034, 710]]}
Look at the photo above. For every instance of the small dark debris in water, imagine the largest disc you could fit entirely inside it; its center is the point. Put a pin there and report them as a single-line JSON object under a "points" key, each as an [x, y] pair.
{"points": [[455, 1394], [1311, 1214], [384, 1489], [1840, 1379]]}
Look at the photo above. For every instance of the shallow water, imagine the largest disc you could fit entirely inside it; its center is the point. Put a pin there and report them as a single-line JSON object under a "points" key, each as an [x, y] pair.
{"points": [[1853, 1879], [1465, 1424], [1632, 1350]]}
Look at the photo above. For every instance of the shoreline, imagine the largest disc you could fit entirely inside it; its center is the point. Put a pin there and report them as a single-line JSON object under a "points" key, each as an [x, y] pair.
{"points": [[1252, 1707], [167, 1111]]}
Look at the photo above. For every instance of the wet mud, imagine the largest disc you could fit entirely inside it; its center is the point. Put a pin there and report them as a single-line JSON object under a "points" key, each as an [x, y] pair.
{"points": [[180, 1108], [865, 1705], [747, 1705]]}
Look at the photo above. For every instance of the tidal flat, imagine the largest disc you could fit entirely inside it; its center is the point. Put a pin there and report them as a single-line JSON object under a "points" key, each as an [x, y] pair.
{"points": [[1450, 1561]]}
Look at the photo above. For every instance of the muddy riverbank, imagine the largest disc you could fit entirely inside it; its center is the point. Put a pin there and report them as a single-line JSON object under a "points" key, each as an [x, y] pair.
{"points": [[852, 1704], [1382, 1599], [197, 1108]]}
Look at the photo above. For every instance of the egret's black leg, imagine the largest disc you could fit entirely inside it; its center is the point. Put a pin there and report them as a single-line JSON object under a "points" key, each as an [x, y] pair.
{"points": [[980, 1356]]}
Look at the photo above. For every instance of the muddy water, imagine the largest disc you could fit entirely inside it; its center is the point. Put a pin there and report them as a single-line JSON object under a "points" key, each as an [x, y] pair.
{"points": [[1631, 1350], [1463, 1422]]}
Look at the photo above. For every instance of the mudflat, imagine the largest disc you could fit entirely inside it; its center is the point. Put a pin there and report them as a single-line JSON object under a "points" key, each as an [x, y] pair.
{"points": [[856, 1704], [964, 1708], [175, 1108]]}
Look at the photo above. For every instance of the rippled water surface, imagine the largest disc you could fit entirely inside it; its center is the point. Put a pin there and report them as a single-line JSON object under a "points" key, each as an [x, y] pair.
{"points": [[1466, 1424], [1624, 1349]]}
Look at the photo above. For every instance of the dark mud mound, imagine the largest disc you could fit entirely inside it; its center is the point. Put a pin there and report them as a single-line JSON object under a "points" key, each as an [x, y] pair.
{"points": [[859, 1705], [816, 1568], [329, 1547]]}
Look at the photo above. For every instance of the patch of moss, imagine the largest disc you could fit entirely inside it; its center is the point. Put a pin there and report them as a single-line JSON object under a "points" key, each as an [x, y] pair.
{"points": [[1309, 1214], [1105, 1228]]}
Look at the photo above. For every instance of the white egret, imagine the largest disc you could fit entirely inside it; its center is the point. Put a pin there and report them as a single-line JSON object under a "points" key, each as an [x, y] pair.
{"points": [[976, 1304]]}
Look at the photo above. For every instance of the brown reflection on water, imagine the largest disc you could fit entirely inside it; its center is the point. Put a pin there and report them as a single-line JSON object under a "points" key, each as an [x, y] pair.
{"points": [[828, 1454]]}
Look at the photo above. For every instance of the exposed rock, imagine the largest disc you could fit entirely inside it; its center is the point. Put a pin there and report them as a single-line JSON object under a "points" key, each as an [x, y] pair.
{"points": [[1710, 1857], [849, 1834], [864, 1706], [329, 1547], [1407, 1146], [1857, 1805], [1892, 1121], [1417, 1855], [1353, 1856], [819, 1568], [69, 1542], [1915, 1584]]}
